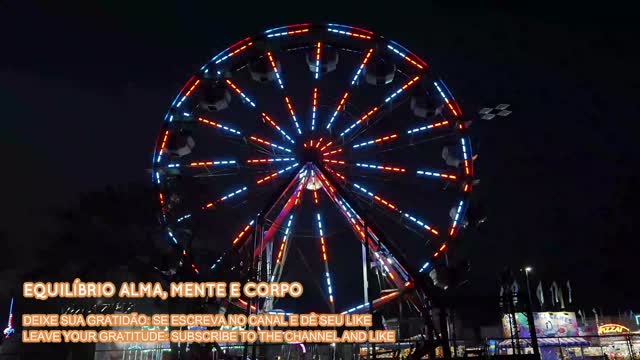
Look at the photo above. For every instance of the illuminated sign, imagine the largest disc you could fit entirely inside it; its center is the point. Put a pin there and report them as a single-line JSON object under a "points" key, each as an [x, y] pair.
{"points": [[612, 329], [638, 320]]}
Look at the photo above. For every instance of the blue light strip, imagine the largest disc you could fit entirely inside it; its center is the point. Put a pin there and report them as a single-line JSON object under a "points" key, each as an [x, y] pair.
{"points": [[435, 174], [275, 29], [288, 168], [317, 74], [403, 88], [313, 109], [338, 109], [424, 267], [220, 126], [239, 92], [423, 128], [172, 237], [362, 306], [278, 34], [282, 132], [185, 217], [363, 190], [217, 262], [284, 240], [231, 194], [396, 51], [457, 216], [348, 33], [326, 264], [363, 118], [419, 222], [464, 149], [274, 65]]}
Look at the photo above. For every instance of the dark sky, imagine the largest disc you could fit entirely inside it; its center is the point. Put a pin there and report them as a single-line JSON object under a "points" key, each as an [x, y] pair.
{"points": [[83, 89]]}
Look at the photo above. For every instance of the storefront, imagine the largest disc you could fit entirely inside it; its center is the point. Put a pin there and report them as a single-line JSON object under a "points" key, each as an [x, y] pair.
{"points": [[560, 338]]}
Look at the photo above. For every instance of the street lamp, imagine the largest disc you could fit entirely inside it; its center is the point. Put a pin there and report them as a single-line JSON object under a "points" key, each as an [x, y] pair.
{"points": [[532, 328]]}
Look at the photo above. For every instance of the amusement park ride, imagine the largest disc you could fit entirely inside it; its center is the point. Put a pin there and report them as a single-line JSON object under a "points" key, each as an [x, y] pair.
{"points": [[327, 135]]}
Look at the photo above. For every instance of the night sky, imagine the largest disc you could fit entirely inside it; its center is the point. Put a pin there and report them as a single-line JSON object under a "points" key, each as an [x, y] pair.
{"points": [[84, 88]]}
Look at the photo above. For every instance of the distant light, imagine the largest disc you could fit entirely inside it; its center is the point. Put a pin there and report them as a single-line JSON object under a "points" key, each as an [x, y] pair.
{"points": [[528, 269]]}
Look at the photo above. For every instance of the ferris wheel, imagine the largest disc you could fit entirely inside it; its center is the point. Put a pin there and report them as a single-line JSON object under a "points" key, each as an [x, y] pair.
{"points": [[318, 153]]}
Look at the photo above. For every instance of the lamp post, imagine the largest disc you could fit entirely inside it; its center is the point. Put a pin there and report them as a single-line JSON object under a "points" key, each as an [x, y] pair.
{"points": [[532, 328]]}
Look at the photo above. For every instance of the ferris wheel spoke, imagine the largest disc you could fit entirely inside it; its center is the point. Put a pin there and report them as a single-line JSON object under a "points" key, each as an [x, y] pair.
{"points": [[228, 195], [343, 99], [265, 117], [324, 251], [395, 210], [274, 175], [243, 234], [291, 202], [285, 243], [369, 114], [396, 273], [457, 219], [400, 140], [268, 161], [282, 252], [222, 127], [269, 143], [277, 127]]}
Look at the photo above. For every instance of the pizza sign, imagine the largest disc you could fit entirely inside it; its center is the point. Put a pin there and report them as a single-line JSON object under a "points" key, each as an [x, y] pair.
{"points": [[612, 329]]}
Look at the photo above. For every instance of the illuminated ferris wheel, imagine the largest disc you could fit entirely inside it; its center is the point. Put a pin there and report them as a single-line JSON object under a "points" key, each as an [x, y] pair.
{"points": [[319, 153]]}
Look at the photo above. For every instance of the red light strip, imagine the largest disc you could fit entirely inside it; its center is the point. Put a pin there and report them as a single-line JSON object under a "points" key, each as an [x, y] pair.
{"points": [[340, 107], [380, 167], [334, 161], [314, 108], [164, 141], [201, 163], [318, 60], [237, 89], [268, 160], [342, 102], [235, 52], [242, 233], [324, 251], [318, 144], [267, 178], [325, 183], [275, 126], [292, 113], [192, 88], [386, 203], [376, 141], [324, 147], [186, 84], [336, 173], [332, 152], [223, 127], [245, 304], [350, 33], [363, 118], [298, 198], [261, 141]]}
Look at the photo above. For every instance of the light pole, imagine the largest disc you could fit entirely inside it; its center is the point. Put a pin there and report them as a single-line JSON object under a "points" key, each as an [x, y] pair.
{"points": [[532, 327]]}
